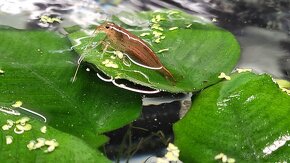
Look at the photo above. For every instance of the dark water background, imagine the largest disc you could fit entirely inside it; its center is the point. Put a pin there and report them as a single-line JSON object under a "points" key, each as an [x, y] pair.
{"points": [[261, 26]]}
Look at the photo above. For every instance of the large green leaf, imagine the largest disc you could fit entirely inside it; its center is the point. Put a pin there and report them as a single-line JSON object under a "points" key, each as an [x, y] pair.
{"points": [[38, 69], [70, 149], [198, 51], [246, 118]]}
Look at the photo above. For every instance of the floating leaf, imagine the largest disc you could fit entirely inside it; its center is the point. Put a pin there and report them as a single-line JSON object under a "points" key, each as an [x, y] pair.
{"points": [[245, 118], [69, 149], [197, 51], [39, 66]]}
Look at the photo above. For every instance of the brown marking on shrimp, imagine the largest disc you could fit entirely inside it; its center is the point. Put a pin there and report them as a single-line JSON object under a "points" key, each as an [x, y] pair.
{"points": [[124, 41]]}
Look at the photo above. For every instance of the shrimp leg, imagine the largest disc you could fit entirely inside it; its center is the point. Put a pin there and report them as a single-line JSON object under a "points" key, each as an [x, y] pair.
{"points": [[106, 44], [81, 58]]}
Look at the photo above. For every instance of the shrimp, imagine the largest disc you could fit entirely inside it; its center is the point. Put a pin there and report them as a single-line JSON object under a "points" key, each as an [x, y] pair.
{"points": [[122, 40]]}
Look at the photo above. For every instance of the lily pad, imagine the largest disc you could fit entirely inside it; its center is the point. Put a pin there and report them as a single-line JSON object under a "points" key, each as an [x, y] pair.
{"points": [[69, 149], [38, 69], [192, 49], [246, 119]]}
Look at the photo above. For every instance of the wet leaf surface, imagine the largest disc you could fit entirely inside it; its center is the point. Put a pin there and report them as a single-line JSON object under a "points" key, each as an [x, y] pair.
{"points": [[246, 118], [69, 149], [38, 69], [192, 49]]}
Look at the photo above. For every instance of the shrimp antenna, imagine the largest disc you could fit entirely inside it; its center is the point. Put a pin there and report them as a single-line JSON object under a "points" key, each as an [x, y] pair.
{"points": [[81, 58], [78, 66], [108, 16]]}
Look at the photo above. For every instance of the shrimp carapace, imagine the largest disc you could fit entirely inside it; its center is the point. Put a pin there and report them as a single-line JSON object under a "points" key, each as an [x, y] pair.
{"points": [[122, 40]]}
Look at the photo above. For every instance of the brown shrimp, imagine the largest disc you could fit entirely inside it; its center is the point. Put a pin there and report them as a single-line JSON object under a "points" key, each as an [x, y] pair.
{"points": [[124, 41]]}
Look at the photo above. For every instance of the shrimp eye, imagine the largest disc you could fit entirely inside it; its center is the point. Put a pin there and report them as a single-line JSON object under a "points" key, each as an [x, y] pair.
{"points": [[107, 27]]}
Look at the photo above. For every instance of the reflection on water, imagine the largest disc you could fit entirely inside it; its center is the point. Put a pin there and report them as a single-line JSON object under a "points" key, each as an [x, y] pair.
{"points": [[262, 28]]}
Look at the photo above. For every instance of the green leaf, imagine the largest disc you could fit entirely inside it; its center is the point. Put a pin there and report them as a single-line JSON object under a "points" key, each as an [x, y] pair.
{"points": [[241, 118], [70, 148], [198, 51], [38, 69]]}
